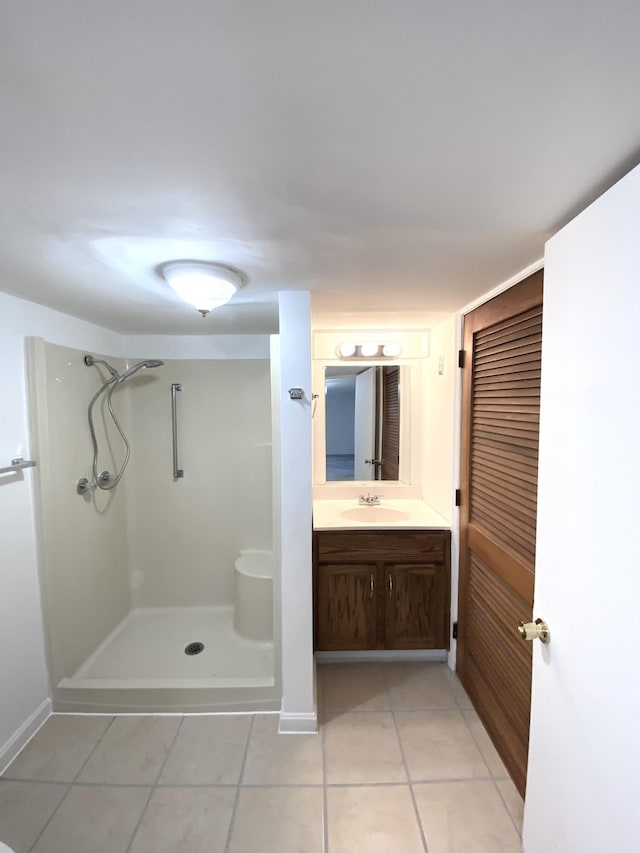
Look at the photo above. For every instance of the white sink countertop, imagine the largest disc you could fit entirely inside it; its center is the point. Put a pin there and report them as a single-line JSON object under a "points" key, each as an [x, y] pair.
{"points": [[388, 514]]}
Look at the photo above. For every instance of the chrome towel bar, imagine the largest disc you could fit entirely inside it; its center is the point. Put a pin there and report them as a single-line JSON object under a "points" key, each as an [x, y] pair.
{"points": [[17, 464], [177, 471]]}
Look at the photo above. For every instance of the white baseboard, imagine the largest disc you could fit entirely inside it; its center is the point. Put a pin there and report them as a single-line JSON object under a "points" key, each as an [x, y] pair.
{"points": [[452, 655], [298, 724], [382, 655], [20, 738]]}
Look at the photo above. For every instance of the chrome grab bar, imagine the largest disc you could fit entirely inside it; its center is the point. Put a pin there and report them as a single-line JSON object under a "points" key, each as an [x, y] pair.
{"points": [[177, 472], [17, 464]]}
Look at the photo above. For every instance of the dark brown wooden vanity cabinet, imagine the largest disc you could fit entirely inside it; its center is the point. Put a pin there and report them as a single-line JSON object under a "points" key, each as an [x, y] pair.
{"points": [[388, 589]]}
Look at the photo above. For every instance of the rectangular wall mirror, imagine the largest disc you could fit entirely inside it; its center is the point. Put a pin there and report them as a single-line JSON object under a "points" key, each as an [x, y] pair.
{"points": [[363, 406]]}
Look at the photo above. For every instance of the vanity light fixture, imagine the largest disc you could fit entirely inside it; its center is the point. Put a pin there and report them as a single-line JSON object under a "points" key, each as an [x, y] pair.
{"points": [[346, 350], [391, 350], [369, 350], [202, 284]]}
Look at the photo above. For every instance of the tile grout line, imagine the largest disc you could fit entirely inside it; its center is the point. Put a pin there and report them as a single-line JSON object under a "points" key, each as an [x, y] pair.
{"points": [[406, 766], [508, 810], [50, 818], [414, 709], [153, 786], [71, 784], [417, 709], [234, 810], [475, 740], [491, 775], [205, 785], [33, 781], [99, 741], [442, 781], [473, 737]]}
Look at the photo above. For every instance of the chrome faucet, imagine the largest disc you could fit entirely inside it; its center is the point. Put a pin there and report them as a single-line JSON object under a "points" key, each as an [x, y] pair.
{"points": [[369, 500]]}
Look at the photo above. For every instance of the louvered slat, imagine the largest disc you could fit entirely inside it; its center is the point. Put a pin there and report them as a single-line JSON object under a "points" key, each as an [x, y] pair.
{"points": [[510, 442], [519, 493], [390, 448], [489, 446], [501, 658], [511, 326], [520, 541], [524, 352], [508, 371], [505, 431], [503, 479], [522, 470]]}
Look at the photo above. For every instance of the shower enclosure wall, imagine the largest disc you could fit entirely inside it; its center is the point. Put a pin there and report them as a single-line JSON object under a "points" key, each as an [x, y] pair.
{"points": [[133, 577]]}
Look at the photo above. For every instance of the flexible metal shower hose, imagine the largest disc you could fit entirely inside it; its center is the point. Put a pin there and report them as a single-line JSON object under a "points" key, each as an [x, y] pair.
{"points": [[112, 483]]}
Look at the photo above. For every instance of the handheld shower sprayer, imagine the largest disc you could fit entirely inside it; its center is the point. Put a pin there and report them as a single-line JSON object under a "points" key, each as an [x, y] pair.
{"points": [[152, 362], [104, 480], [90, 361]]}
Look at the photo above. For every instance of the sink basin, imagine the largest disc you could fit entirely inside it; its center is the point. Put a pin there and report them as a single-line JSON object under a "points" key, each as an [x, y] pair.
{"points": [[374, 514]]}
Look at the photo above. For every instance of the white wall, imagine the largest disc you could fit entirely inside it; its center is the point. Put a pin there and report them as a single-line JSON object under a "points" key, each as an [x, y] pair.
{"points": [[23, 675], [582, 789], [298, 703], [185, 534], [83, 558], [440, 373], [196, 346]]}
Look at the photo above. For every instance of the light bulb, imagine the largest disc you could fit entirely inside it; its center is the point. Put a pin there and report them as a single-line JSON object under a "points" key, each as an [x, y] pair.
{"points": [[391, 350], [346, 350], [204, 285]]}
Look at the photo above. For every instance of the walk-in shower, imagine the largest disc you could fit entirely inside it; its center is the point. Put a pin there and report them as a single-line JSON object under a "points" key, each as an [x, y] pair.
{"points": [[132, 577], [104, 480]]}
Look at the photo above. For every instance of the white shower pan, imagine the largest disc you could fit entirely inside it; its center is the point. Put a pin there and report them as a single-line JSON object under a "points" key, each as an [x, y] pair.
{"points": [[146, 657]]}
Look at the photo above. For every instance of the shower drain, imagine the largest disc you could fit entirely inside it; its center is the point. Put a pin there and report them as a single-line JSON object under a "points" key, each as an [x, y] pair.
{"points": [[193, 648]]}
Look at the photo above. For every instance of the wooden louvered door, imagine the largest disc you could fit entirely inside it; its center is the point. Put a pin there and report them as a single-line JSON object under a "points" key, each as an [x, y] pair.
{"points": [[390, 446], [499, 467]]}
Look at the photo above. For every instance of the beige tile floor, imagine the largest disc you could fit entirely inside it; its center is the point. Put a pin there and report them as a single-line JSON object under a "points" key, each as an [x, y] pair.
{"points": [[402, 764]]}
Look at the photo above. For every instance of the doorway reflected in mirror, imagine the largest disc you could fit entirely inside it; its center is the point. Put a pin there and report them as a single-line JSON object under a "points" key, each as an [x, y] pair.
{"points": [[340, 466], [362, 422]]}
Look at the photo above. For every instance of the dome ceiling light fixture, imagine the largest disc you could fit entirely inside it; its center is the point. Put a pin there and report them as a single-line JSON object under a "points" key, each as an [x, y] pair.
{"points": [[203, 284]]}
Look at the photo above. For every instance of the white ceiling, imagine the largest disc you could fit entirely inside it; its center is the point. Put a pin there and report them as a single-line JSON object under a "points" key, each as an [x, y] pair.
{"points": [[405, 155]]}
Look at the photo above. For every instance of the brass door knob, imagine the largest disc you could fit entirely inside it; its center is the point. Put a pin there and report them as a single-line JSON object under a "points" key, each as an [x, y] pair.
{"points": [[535, 630]]}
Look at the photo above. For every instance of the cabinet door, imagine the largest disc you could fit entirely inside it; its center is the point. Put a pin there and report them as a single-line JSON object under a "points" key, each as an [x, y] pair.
{"points": [[345, 607], [415, 611]]}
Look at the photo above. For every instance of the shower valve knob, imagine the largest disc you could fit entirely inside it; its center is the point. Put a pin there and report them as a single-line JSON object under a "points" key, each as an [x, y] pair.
{"points": [[84, 486]]}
